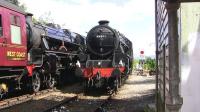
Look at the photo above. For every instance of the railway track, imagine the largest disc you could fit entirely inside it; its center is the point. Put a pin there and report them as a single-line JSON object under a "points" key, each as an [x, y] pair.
{"points": [[52, 109], [41, 101], [101, 108], [79, 103], [22, 99], [70, 99], [85, 103]]}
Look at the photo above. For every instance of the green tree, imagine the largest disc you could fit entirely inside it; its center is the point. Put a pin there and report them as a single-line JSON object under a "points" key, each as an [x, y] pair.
{"points": [[150, 64], [135, 62], [23, 6], [46, 18], [16, 2]]}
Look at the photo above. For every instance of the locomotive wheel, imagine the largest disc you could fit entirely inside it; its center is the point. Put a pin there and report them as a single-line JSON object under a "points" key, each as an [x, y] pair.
{"points": [[120, 81], [85, 86], [1, 94], [50, 82], [116, 84], [36, 82]]}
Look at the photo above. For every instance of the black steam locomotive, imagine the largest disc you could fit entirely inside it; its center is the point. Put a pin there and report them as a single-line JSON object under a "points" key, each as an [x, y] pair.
{"points": [[52, 50], [34, 55], [109, 57]]}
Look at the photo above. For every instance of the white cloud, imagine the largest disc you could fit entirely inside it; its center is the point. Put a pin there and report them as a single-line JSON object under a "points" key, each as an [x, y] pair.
{"points": [[135, 18]]}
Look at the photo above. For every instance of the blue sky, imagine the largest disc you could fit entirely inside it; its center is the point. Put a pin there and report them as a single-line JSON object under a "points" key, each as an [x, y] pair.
{"points": [[133, 18]]}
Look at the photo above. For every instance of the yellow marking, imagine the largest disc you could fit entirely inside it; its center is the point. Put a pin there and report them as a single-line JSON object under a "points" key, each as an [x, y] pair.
{"points": [[13, 55]]}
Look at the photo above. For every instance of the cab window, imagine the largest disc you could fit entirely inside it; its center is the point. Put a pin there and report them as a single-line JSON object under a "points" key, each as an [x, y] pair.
{"points": [[1, 26], [15, 29]]}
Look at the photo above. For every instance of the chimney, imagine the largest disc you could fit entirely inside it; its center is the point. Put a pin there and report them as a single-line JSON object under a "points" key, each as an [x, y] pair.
{"points": [[103, 22], [29, 18]]}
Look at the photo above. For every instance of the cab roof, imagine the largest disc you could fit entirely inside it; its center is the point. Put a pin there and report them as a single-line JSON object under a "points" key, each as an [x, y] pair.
{"points": [[11, 6]]}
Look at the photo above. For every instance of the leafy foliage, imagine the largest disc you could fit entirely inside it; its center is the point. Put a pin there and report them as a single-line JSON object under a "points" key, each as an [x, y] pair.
{"points": [[23, 6], [150, 64], [134, 64], [16, 2], [46, 18]]}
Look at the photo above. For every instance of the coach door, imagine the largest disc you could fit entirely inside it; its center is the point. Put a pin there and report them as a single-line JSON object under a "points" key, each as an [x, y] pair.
{"points": [[16, 49]]}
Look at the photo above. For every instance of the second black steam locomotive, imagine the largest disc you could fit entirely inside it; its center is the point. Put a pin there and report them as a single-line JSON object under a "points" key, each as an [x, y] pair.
{"points": [[109, 57]]}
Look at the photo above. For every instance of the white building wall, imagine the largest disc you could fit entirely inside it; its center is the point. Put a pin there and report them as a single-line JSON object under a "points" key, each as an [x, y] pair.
{"points": [[190, 57]]}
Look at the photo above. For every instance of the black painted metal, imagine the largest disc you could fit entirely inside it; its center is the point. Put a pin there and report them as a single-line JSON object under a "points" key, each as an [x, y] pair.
{"points": [[174, 1], [103, 41], [170, 1]]}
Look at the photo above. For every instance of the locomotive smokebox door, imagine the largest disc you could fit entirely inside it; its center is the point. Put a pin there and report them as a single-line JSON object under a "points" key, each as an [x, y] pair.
{"points": [[12, 35]]}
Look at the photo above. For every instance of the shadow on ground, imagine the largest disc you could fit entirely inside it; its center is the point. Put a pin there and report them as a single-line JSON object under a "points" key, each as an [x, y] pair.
{"points": [[135, 103]]}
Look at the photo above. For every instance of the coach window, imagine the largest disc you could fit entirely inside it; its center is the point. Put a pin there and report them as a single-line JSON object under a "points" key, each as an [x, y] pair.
{"points": [[15, 29], [1, 26]]}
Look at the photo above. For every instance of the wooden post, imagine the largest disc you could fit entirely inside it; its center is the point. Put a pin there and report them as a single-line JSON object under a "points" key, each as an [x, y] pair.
{"points": [[156, 39], [173, 100]]}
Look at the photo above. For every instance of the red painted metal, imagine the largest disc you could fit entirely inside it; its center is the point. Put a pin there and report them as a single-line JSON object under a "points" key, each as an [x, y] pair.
{"points": [[12, 54], [141, 52], [2, 39], [30, 69], [104, 72]]}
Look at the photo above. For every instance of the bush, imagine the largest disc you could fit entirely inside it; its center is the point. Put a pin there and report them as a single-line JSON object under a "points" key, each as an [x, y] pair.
{"points": [[150, 64], [135, 62]]}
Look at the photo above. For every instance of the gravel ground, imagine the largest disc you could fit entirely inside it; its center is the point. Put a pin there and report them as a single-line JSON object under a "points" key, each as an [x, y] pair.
{"points": [[134, 95], [84, 104], [41, 103]]}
